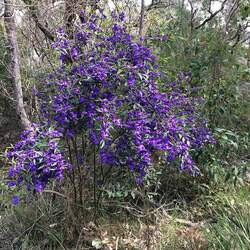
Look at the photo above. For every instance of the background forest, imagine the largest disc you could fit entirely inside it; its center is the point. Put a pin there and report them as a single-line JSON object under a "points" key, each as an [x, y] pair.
{"points": [[124, 124]]}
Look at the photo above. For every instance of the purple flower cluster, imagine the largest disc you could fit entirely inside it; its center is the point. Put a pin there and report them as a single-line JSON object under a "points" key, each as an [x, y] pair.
{"points": [[107, 88], [36, 159]]}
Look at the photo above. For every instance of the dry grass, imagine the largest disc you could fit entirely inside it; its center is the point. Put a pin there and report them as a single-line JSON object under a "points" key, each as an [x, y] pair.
{"points": [[163, 232]]}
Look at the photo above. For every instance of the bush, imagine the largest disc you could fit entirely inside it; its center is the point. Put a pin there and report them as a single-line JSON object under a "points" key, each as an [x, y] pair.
{"points": [[105, 101]]}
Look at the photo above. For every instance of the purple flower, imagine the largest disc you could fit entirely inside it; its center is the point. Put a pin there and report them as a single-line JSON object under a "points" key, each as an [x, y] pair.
{"points": [[122, 16], [131, 80], [37, 159], [39, 187], [92, 26], [164, 37], [74, 53], [12, 183], [15, 200]]}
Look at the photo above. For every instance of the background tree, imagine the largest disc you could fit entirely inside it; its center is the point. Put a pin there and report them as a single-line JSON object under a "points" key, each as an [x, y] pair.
{"points": [[10, 27]]}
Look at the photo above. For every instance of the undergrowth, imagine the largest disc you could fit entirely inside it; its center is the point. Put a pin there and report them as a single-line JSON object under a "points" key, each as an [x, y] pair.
{"points": [[217, 218]]}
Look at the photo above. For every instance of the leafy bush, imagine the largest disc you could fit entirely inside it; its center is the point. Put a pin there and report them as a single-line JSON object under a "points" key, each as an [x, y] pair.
{"points": [[105, 94]]}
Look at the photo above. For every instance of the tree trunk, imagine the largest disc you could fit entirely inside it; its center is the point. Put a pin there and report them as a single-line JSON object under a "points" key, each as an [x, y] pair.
{"points": [[248, 55], [142, 18], [70, 16], [10, 27]]}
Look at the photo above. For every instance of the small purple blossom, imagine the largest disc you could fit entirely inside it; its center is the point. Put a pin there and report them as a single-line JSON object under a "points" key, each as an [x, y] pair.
{"points": [[15, 200], [164, 37], [36, 159], [122, 16]]}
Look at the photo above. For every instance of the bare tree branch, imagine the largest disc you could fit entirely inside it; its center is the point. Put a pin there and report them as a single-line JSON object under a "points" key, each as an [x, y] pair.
{"points": [[212, 15], [33, 12], [192, 15], [159, 5], [5, 92], [232, 10]]}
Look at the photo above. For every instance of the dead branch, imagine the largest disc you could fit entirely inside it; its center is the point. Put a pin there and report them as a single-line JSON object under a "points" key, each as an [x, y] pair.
{"points": [[212, 15], [33, 12], [159, 5]]}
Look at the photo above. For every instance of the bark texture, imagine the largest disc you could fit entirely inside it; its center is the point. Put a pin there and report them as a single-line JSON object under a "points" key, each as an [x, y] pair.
{"points": [[70, 16], [10, 27], [141, 27]]}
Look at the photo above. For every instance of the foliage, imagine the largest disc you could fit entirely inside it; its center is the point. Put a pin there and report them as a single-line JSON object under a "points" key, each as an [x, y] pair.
{"points": [[208, 54], [36, 159], [35, 225], [218, 72], [231, 229], [4, 57], [106, 92], [226, 161]]}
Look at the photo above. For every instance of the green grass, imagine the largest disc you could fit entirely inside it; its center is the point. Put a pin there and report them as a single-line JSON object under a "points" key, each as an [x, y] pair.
{"points": [[231, 214], [217, 217]]}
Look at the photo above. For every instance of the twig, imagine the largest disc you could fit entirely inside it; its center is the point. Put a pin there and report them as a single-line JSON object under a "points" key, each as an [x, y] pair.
{"points": [[212, 15], [54, 192]]}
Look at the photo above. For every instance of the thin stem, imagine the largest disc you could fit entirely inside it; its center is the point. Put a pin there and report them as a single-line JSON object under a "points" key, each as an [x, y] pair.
{"points": [[79, 171], [73, 172], [94, 184]]}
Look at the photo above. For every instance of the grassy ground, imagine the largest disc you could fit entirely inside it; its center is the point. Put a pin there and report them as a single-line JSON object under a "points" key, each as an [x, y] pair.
{"points": [[219, 218]]}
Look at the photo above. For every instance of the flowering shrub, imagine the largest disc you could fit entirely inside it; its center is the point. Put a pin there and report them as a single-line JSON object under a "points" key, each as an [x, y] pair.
{"points": [[107, 86], [106, 92], [36, 159]]}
